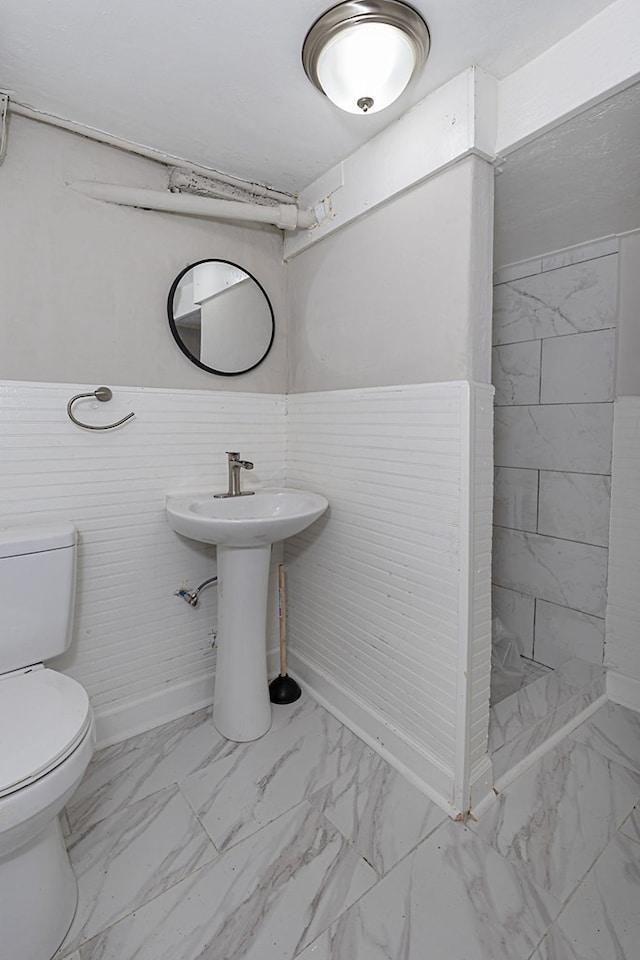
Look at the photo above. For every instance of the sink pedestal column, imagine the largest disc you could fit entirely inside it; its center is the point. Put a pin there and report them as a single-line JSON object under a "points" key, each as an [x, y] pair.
{"points": [[241, 704]]}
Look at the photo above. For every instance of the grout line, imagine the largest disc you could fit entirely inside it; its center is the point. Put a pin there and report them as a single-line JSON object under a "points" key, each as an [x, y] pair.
{"points": [[558, 403], [580, 473], [549, 536], [540, 374]]}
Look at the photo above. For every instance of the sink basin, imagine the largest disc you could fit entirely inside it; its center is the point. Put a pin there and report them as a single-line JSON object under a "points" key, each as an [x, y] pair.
{"points": [[243, 529], [264, 518]]}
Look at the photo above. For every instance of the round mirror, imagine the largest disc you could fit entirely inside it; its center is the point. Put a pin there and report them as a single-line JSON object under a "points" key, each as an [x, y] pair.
{"points": [[220, 317]]}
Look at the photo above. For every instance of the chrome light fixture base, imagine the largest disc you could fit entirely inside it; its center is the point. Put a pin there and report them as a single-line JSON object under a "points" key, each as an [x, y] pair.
{"points": [[349, 15]]}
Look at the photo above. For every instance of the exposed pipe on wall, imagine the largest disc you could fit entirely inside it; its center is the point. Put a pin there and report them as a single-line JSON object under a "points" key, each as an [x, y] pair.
{"points": [[286, 216], [158, 156]]}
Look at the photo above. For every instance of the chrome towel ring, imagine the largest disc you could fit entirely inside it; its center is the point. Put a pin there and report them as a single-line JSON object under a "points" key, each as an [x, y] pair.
{"points": [[103, 394]]}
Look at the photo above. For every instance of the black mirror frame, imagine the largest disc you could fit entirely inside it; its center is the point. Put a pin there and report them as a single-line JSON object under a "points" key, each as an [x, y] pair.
{"points": [[176, 335]]}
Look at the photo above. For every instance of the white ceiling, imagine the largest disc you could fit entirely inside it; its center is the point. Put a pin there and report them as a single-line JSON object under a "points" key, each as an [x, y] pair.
{"points": [[576, 183], [221, 83]]}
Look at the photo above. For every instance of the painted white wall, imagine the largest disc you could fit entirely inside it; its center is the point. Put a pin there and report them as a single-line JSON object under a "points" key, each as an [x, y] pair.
{"points": [[402, 295], [85, 284], [622, 648], [628, 368]]}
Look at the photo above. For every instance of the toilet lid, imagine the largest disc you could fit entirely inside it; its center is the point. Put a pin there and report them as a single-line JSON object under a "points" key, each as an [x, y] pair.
{"points": [[43, 715]]}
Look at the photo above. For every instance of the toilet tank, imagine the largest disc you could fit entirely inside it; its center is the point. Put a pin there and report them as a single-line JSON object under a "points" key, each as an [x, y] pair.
{"points": [[37, 592]]}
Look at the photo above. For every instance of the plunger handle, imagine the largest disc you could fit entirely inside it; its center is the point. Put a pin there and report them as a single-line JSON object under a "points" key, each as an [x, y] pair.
{"points": [[282, 616]]}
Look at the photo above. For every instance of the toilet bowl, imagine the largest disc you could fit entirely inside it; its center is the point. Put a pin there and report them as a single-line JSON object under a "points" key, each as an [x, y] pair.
{"points": [[47, 738]]}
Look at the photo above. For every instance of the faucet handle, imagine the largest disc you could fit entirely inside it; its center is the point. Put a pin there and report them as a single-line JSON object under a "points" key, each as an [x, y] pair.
{"points": [[232, 454]]}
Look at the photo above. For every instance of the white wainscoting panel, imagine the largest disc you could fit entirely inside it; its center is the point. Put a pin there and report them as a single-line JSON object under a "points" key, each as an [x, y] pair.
{"points": [[622, 630], [378, 585], [143, 655]]}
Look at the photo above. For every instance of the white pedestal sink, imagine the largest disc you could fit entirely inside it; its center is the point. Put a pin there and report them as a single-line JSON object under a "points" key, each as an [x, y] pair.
{"points": [[243, 528]]}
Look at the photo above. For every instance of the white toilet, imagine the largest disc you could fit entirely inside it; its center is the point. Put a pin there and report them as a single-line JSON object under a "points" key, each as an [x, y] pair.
{"points": [[47, 738]]}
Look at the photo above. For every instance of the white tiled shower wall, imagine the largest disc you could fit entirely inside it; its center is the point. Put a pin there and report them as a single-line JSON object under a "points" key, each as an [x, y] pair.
{"points": [[554, 374]]}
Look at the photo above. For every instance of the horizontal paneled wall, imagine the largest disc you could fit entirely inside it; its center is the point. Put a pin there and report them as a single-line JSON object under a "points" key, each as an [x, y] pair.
{"points": [[554, 373], [142, 654], [385, 616]]}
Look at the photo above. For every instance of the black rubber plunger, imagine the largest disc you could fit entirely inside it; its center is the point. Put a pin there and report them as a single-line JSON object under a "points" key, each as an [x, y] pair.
{"points": [[284, 688]]}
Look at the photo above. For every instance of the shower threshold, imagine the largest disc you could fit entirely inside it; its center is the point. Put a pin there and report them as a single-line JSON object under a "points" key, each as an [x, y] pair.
{"points": [[548, 701]]}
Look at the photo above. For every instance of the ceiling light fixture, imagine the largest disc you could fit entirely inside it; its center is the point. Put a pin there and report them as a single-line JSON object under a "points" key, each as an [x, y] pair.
{"points": [[362, 53]]}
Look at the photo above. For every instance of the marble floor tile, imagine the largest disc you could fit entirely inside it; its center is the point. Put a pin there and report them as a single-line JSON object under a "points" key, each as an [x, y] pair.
{"points": [[602, 920], [265, 899], [131, 857], [140, 766], [376, 808], [249, 784], [514, 715], [631, 827], [558, 816], [505, 758], [452, 898], [581, 673], [613, 731]]}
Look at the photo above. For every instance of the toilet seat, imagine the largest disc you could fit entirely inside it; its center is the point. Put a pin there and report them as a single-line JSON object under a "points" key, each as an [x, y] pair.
{"points": [[44, 715]]}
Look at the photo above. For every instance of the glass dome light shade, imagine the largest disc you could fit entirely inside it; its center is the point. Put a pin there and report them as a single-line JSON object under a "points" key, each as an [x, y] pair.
{"points": [[366, 62]]}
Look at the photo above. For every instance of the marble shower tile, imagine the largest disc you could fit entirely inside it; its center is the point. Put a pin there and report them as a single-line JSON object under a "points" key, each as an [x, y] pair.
{"points": [[143, 764], [570, 574], [511, 717], [515, 373], [631, 827], [573, 299], [516, 611], [585, 251], [506, 757], [515, 271], [575, 506], [453, 898], [613, 731], [249, 784], [264, 900], [568, 437], [515, 498], [579, 368], [561, 634], [376, 808], [602, 920], [131, 857], [558, 816]]}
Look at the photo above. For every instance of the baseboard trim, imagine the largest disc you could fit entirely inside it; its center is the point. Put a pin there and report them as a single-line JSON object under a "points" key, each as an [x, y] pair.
{"points": [[623, 690], [424, 772], [120, 721]]}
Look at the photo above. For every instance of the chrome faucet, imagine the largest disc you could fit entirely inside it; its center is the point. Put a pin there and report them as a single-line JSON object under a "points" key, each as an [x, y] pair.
{"points": [[235, 466]]}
